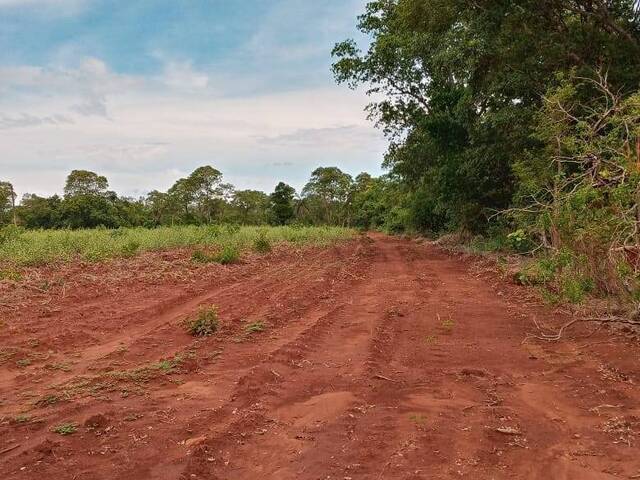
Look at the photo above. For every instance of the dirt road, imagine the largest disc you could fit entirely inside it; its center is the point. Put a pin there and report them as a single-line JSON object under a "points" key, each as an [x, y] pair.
{"points": [[381, 359]]}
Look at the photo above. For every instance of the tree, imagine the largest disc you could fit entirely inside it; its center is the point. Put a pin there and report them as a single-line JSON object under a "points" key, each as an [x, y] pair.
{"points": [[202, 196], [329, 187], [84, 182], [7, 203], [40, 212], [281, 204], [460, 84], [250, 206]]}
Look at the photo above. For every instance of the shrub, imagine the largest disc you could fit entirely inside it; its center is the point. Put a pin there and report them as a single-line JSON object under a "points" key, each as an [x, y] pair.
{"points": [[262, 244], [205, 323], [130, 248], [229, 254]]}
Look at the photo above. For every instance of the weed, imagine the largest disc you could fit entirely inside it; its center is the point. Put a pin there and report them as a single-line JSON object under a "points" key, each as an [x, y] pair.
{"points": [[447, 323], [262, 244], [228, 255], [67, 428], [255, 327], [418, 418], [22, 418], [205, 323]]}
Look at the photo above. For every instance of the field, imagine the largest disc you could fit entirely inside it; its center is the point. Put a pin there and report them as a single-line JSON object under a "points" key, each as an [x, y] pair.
{"points": [[24, 248], [329, 355]]}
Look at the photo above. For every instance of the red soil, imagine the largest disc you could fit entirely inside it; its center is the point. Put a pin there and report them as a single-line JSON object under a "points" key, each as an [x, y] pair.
{"points": [[382, 359]]}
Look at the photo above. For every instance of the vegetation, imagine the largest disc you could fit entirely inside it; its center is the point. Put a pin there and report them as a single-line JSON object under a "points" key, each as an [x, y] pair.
{"points": [[517, 121], [34, 247], [205, 323], [67, 428]]}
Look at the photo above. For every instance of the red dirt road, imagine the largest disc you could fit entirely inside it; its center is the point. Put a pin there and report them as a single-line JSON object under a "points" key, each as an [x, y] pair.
{"points": [[381, 359]]}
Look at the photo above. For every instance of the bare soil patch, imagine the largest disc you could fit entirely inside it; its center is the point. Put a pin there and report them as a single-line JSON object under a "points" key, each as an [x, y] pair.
{"points": [[375, 359]]}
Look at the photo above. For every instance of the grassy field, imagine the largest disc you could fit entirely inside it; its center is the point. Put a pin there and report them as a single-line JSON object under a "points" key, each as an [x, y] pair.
{"points": [[37, 247]]}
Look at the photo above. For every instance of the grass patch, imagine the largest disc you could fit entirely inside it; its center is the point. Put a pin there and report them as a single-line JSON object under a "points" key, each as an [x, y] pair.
{"points": [[67, 428], [10, 275], [262, 244], [255, 327], [228, 255], [205, 323], [37, 247]]}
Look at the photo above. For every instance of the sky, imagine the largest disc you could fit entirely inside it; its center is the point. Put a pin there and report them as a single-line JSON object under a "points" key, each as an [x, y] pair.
{"points": [[145, 91]]}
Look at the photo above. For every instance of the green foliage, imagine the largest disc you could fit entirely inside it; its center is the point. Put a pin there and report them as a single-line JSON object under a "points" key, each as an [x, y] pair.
{"points": [[67, 428], [262, 244], [255, 327], [204, 324], [281, 204], [228, 255], [36, 247]]}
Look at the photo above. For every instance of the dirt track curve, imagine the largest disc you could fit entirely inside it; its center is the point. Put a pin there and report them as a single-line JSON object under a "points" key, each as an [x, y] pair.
{"points": [[382, 358]]}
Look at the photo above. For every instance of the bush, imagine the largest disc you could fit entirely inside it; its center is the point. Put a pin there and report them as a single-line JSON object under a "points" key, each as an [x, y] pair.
{"points": [[205, 323], [130, 248], [229, 254], [262, 244]]}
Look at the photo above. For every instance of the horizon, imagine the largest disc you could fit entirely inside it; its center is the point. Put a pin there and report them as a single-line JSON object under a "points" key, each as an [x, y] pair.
{"points": [[144, 92]]}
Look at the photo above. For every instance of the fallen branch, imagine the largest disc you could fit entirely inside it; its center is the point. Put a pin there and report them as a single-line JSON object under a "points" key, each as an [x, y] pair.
{"points": [[556, 336], [7, 450]]}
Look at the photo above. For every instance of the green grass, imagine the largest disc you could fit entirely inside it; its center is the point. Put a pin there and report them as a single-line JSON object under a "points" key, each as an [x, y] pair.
{"points": [[38, 247]]}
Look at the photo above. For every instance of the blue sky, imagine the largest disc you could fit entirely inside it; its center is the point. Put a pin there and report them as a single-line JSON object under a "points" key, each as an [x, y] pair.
{"points": [[144, 91]]}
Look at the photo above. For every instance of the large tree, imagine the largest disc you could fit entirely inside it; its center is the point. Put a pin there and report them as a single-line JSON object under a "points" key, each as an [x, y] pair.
{"points": [[458, 85], [328, 190], [281, 204]]}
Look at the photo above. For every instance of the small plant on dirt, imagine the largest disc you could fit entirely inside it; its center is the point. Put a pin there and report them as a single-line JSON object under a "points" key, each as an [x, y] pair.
{"points": [[255, 327], [447, 323], [262, 244], [228, 255], [67, 428], [418, 418], [22, 418], [205, 323]]}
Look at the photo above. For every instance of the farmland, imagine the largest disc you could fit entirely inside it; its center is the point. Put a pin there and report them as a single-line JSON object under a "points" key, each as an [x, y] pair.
{"points": [[333, 354]]}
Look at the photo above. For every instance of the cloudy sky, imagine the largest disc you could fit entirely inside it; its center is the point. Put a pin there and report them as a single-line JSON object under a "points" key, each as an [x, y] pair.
{"points": [[145, 91]]}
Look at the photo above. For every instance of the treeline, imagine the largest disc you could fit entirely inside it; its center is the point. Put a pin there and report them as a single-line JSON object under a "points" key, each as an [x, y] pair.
{"points": [[516, 120], [330, 197]]}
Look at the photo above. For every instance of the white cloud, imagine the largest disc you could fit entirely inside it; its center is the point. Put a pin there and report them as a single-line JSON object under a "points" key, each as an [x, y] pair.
{"points": [[145, 132]]}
